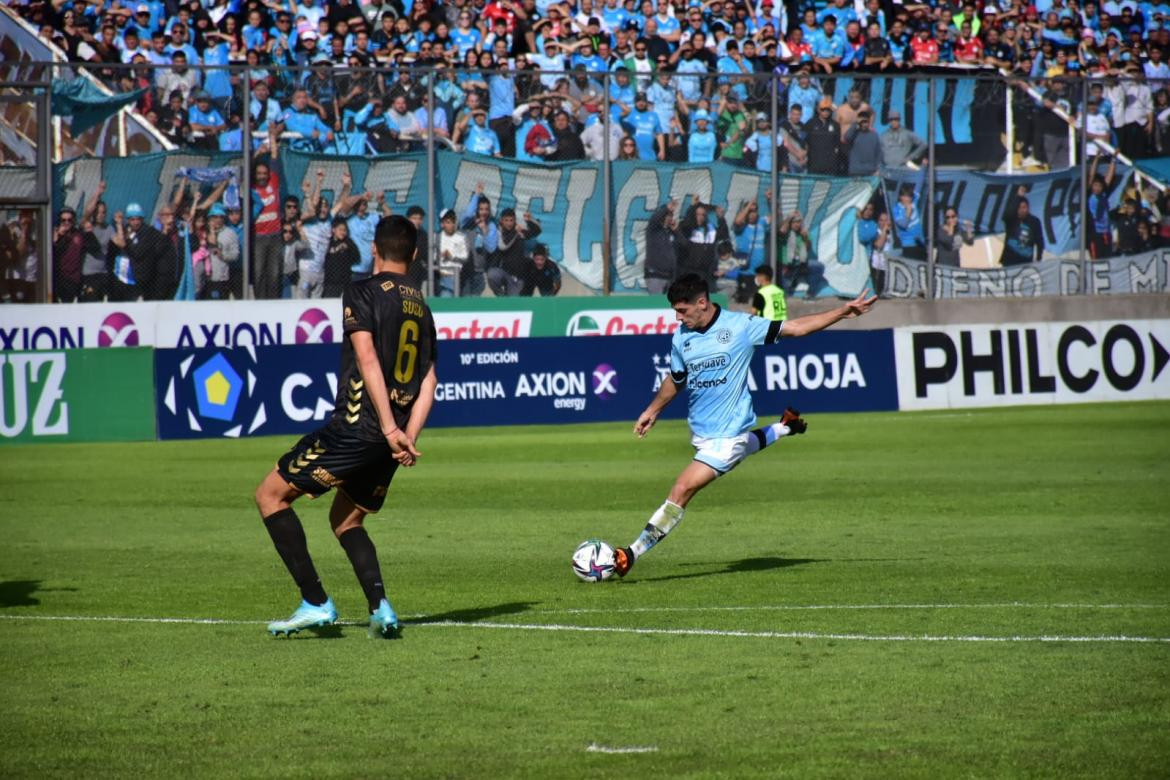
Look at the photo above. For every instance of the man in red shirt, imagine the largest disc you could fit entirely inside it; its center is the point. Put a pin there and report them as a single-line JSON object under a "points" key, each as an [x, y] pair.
{"points": [[923, 47], [268, 243], [968, 49], [501, 9]]}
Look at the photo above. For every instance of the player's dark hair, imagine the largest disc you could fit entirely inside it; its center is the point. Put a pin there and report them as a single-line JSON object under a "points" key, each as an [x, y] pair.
{"points": [[687, 289], [395, 238], [765, 271], [413, 210]]}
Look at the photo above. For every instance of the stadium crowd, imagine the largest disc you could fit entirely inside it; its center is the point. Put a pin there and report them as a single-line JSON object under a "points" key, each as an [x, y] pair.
{"points": [[522, 78], [529, 79]]}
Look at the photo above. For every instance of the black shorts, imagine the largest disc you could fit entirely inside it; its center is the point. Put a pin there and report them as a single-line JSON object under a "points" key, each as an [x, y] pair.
{"points": [[328, 458]]}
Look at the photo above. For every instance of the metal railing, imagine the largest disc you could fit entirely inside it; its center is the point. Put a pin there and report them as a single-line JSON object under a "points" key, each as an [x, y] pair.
{"points": [[968, 120]]}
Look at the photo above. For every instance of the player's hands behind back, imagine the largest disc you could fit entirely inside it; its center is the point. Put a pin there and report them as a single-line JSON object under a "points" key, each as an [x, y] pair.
{"points": [[402, 446]]}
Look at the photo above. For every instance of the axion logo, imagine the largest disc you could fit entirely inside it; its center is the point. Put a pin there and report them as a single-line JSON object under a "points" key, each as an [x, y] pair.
{"points": [[605, 381], [118, 330], [314, 327]]}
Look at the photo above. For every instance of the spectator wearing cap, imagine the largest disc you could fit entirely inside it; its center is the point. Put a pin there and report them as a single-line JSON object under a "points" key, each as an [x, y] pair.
{"points": [[824, 141], [544, 275], [145, 263], [205, 121], [761, 144], [646, 129], [900, 145], [221, 251], [701, 141], [865, 147], [509, 264]]}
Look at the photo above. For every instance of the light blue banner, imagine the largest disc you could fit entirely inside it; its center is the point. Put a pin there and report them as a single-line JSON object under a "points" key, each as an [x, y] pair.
{"points": [[567, 199], [984, 199]]}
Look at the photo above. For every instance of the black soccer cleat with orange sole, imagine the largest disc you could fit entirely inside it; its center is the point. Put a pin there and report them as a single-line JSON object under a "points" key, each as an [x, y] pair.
{"points": [[623, 560], [792, 419]]}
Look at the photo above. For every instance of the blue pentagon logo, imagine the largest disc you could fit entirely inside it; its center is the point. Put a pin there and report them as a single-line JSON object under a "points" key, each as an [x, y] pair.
{"points": [[217, 388]]}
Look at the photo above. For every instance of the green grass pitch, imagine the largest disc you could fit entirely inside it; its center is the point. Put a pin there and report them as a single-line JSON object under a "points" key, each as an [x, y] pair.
{"points": [[916, 537]]}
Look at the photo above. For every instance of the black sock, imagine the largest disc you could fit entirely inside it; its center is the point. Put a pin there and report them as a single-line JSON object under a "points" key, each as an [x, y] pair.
{"points": [[289, 538], [364, 558]]}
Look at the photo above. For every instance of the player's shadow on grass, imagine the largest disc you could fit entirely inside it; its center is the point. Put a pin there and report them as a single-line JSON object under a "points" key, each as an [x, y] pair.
{"points": [[475, 614], [765, 563], [19, 593]]}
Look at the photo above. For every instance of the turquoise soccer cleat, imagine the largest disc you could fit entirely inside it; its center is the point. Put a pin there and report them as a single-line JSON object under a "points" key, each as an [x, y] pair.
{"points": [[307, 616], [384, 622]]}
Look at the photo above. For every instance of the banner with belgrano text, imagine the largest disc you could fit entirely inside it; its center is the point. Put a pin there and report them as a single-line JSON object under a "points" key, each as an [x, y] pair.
{"points": [[984, 198], [1144, 273]]}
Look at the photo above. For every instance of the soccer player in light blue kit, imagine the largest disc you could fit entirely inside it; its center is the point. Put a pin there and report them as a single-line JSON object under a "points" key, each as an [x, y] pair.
{"points": [[709, 355]]}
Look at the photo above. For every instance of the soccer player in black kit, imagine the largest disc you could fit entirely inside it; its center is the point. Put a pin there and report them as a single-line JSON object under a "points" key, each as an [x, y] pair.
{"points": [[385, 392]]}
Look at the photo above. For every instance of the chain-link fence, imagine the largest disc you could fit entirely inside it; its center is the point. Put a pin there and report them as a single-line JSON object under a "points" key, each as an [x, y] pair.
{"points": [[249, 180]]}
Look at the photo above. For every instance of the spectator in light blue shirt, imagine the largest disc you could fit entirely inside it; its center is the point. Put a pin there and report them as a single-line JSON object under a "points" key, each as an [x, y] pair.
{"points": [[805, 93], [206, 123], [304, 121], [481, 139], [828, 46], [646, 129], [701, 144]]}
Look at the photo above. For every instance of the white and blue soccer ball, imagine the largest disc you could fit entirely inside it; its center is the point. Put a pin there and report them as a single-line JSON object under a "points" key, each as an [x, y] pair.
{"points": [[593, 560]]}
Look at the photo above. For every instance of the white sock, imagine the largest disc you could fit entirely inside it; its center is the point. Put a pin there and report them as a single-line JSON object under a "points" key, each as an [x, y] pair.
{"points": [[763, 437], [661, 522]]}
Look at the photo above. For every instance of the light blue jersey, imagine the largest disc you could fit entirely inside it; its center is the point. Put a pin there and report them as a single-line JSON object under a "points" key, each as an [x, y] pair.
{"points": [[713, 363]]}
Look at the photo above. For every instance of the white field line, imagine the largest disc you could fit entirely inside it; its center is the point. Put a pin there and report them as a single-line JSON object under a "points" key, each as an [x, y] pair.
{"points": [[595, 748], [796, 634], [625, 630], [802, 607]]}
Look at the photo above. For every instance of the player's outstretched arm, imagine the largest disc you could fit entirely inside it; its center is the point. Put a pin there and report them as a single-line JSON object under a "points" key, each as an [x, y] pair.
{"points": [[666, 393], [811, 323], [371, 368]]}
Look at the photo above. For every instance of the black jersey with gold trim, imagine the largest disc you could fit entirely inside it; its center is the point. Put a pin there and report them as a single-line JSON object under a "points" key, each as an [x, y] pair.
{"points": [[393, 310]]}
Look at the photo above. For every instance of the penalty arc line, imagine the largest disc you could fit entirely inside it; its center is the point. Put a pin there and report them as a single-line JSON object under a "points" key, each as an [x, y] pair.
{"points": [[559, 627]]}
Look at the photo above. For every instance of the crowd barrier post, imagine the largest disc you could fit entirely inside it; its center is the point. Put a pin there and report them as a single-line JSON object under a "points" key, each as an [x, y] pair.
{"points": [[246, 187]]}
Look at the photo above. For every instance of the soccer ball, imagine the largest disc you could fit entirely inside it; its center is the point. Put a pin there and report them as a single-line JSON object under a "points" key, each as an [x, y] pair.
{"points": [[593, 561]]}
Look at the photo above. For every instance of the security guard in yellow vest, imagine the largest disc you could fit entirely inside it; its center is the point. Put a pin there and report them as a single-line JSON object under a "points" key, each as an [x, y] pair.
{"points": [[769, 300]]}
